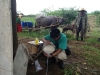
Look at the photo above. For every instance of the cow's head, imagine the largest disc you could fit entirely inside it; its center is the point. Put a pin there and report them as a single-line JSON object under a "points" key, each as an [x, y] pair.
{"points": [[60, 20], [38, 21]]}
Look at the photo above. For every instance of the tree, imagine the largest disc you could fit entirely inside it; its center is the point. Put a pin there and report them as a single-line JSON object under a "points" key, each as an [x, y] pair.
{"points": [[63, 12]]}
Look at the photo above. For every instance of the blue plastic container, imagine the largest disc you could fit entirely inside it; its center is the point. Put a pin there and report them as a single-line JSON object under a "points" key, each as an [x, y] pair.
{"points": [[27, 24], [30, 24], [23, 24]]}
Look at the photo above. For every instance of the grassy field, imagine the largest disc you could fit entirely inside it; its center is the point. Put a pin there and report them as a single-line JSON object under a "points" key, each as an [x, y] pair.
{"points": [[28, 19], [85, 57]]}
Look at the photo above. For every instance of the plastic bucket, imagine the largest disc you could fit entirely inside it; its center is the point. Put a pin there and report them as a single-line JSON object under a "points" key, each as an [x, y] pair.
{"points": [[27, 24], [30, 24], [23, 24]]}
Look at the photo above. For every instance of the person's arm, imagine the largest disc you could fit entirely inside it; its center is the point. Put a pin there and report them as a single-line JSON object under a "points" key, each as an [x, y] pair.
{"points": [[75, 22], [76, 19], [86, 24], [45, 41], [53, 54], [56, 52]]}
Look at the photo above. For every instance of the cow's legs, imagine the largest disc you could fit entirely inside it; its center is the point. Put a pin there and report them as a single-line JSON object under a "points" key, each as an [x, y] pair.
{"points": [[64, 29]]}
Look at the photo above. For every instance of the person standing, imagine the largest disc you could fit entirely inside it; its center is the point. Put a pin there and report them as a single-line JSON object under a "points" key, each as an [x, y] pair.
{"points": [[81, 23], [18, 22]]}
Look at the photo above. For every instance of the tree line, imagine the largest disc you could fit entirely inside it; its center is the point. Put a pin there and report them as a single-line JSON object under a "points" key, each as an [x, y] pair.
{"points": [[69, 13]]}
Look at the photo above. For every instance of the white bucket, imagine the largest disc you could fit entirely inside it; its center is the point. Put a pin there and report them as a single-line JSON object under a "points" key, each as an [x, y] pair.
{"points": [[49, 48]]}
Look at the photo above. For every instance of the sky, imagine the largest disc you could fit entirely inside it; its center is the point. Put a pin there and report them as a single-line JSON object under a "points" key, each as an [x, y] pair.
{"points": [[36, 6]]}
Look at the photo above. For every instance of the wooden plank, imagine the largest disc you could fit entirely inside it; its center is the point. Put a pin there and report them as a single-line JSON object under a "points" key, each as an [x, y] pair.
{"points": [[21, 60]]}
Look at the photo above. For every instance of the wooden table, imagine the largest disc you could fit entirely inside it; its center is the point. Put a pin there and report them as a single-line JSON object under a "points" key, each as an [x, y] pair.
{"points": [[34, 50]]}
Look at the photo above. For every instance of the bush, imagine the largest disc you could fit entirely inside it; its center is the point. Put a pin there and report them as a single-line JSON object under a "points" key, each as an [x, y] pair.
{"points": [[97, 14], [63, 12]]}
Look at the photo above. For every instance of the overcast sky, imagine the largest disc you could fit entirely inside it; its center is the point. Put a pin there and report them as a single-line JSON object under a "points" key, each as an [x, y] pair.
{"points": [[35, 6]]}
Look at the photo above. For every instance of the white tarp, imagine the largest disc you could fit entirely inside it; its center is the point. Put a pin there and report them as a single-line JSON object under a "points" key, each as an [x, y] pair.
{"points": [[33, 42], [21, 60]]}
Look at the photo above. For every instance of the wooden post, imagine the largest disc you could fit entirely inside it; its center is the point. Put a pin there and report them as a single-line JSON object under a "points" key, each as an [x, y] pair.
{"points": [[14, 27]]}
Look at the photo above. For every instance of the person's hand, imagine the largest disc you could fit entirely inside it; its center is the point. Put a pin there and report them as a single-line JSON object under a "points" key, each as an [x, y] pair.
{"points": [[47, 42], [47, 55]]}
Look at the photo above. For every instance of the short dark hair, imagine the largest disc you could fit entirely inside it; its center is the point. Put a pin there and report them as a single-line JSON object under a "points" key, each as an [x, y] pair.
{"points": [[54, 33]]}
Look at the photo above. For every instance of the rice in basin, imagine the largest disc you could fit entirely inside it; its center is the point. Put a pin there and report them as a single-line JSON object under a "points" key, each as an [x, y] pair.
{"points": [[49, 49]]}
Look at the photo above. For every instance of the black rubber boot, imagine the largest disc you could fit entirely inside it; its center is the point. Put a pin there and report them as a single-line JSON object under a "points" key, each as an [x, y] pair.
{"points": [[61, 64], [77, 36], [51, 60], [81, 39]]}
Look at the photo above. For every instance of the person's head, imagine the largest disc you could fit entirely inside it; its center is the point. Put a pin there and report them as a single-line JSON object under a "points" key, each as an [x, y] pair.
{"points": [[55, 33], [17, 16], [82, 11], [20, 16]]}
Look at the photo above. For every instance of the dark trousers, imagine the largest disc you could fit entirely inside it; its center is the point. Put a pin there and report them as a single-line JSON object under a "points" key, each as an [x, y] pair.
{"points": [[78, 30]]}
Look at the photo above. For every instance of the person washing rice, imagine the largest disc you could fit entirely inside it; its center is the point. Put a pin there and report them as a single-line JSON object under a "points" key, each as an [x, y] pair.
{"points": [[60, 42]]}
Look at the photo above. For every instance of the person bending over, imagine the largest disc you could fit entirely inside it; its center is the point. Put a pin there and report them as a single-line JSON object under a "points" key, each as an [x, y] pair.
{"points": [[60, 42]]}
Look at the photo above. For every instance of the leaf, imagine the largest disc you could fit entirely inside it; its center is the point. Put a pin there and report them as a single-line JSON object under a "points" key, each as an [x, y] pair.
{"points": [[78, 70]]}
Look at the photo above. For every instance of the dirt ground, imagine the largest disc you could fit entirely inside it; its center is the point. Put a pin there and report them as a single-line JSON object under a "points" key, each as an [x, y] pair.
{"points": [[75, 60]]}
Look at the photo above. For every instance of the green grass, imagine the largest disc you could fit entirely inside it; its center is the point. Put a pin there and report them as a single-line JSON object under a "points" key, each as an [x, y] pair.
{"points": [[95, 32], [70, 37], [92, 55], [28, 19], [33, 34], [91, 40], [40, 34], [70, 70]]}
